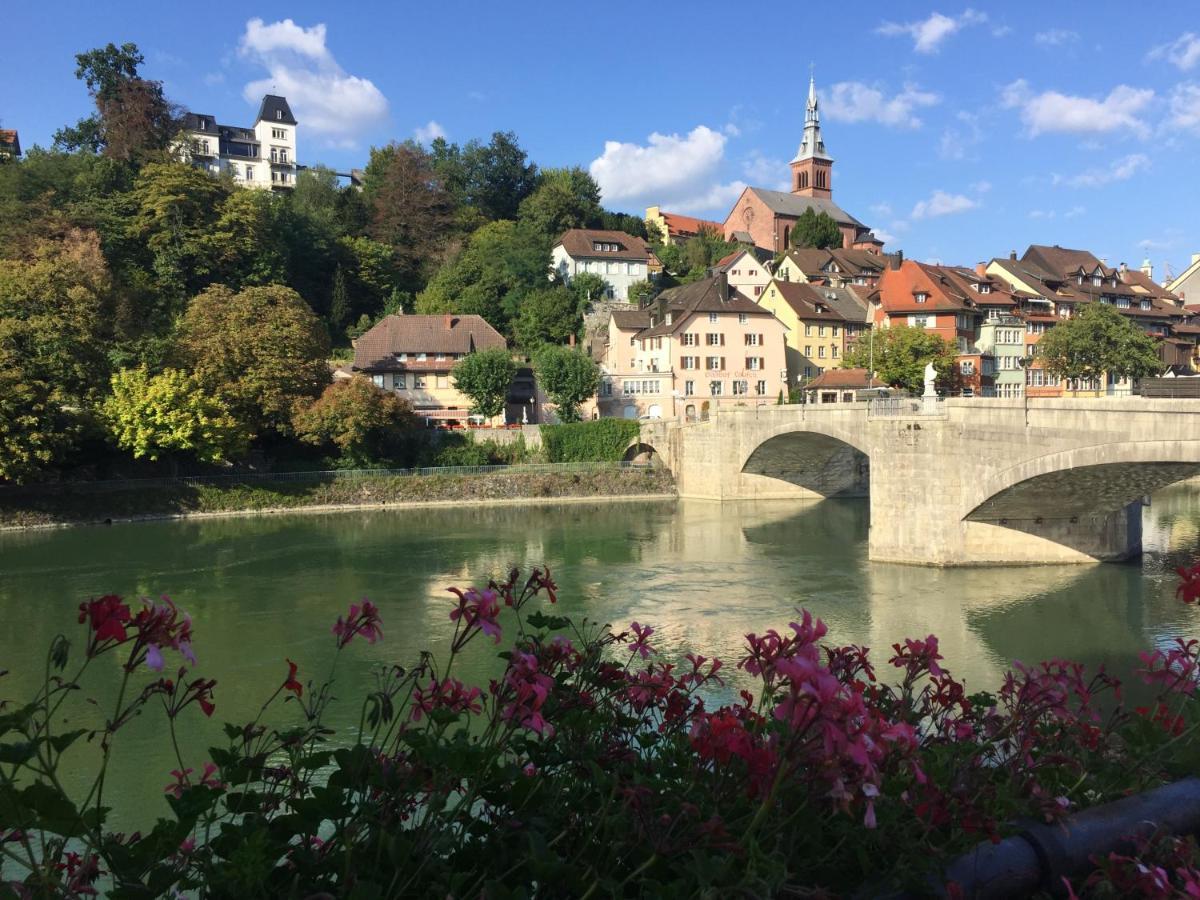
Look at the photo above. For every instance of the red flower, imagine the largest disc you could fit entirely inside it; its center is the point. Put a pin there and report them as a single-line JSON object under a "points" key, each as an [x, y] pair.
{"points": [[1189, 588], [107, 616], [642, 645], [291, 684], [362, 620]]}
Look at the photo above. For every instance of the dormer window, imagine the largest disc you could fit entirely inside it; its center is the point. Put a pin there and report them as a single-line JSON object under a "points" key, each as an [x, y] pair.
{"points": [[1079, 279], [983, 288], [1145, 304], [1097, 280], [920, 296], [669, 317], [279, 114]]}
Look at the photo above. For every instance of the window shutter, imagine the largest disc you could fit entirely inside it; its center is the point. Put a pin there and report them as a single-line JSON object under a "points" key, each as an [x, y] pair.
{"points": [[722, 364], [722, 339], [761, 342]]}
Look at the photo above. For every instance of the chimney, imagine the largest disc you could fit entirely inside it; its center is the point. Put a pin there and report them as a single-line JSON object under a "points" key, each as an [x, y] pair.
{"points": [[981, 269], [1123, 268], [1012, 255], [571, 340], [448, 321], [723, 287]]}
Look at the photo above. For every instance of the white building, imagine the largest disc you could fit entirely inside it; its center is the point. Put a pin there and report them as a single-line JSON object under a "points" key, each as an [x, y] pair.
{"points": [[619, 258], [745, 273], [262, 157]]}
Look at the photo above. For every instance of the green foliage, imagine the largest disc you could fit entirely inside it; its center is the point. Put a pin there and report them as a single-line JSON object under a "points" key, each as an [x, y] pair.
{"points": [[813, 229], [690, 260], [642, 292], [261, 350], [1097, 341], [245, 246], [500, 265], [35, 433], [600, 440], [548, 316], [631, 225], [368, 426], [589, 287], [170, 413], [564, 198], [485, 376], [411, 212], [569, 377], [339, 306], [491, 178], [900, 355]]}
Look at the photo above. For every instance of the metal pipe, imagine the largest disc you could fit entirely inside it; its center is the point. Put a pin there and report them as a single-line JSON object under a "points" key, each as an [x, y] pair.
{"points": [[1041, 855]]}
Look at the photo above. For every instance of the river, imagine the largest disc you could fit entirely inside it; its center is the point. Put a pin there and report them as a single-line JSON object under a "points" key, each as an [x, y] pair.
{"points": [[262, 589]]}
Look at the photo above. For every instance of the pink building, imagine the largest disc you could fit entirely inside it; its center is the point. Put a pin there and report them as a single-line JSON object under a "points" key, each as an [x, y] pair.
{"points": [[694, 348]]}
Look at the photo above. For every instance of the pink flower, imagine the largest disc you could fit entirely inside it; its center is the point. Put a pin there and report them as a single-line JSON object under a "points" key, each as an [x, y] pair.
{"points": [[530, 770], [641, 644], [154, 658], [290, 683], [362, 620], [477, 609], [181, 781]]}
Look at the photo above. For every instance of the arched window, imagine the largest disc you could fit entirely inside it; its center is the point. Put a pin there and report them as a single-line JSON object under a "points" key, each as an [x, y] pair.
{"points": [[787, 233], [802, 180]]}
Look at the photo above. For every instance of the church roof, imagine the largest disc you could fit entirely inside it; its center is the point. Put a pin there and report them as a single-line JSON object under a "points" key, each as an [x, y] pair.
{"points": [[785, 204]]}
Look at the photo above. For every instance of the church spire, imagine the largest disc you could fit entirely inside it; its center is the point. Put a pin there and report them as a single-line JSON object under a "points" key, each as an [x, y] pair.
{"points": [[812, 166]]}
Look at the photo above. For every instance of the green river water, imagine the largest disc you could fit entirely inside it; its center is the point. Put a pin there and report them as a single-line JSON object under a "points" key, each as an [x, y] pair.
{"points": [[262, 589]]}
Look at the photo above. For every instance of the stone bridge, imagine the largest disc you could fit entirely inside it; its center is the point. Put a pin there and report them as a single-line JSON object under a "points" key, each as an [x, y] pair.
{"points": [[981, 481]]}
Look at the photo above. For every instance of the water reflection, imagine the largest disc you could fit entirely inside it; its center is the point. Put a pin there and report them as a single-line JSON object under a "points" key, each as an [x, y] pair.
{"points": [[703, 574]]}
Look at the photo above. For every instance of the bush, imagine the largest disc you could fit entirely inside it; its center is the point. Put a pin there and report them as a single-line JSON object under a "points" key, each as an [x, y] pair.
{"points": [[600, 440], [588, 766]]}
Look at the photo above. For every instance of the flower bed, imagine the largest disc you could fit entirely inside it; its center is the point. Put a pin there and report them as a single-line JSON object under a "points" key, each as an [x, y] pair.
{"points": [[589, 767]]}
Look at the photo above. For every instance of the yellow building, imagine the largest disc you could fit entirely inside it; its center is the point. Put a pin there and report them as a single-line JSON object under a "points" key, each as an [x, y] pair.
{"points": [[815, 336]]}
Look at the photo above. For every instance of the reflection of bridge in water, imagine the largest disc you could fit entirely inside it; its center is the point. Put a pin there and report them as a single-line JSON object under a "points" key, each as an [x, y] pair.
{"points": [[981, 482]]}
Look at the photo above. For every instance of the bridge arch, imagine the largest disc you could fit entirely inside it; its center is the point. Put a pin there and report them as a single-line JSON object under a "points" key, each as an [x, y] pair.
{"points": [[822, 457], [642, 452], [1084, 498]]}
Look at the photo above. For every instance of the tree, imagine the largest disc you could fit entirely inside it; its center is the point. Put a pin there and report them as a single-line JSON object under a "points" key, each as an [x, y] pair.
{"points": [[900, 355], [170, 413], [261, 350], [564, 198], [133, 118], [34, 431], [502, 263], [1099, 340], [817, 230], [485, 377], [52, 314], [339, 305], [548, 316], [589, 287], [411, 213], [245, 245], [569, 377], [366, 424], [490, 178], [642, 292]]}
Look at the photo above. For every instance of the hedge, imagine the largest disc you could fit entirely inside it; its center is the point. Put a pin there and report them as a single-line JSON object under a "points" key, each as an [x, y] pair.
{"points": [[600, 440]]}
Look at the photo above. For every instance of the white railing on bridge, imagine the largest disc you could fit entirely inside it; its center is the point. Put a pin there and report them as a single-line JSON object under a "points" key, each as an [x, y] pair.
{"points": [[903, 407]]}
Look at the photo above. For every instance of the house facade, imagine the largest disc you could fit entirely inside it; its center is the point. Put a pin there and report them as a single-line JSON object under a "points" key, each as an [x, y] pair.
{"points": [[765, 217], [619, 258], [10, 143], [1186, 286], [676, 228], [836, 268], [839, 386], [815, 332], [696, 347], [262, 156], [745, 272], [413, 356]]}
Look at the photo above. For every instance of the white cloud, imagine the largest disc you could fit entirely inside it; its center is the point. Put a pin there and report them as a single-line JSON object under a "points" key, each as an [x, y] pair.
{"points": [[1041, 214], [1051, 111], [886, 236], [1075, 212], [941, 203], [429, 132], [1183, 52], [214, 78], [881, 209], [1185, 107], [956, 142], [928, 34], [477, 96], [1118, 170], [325, 98], [981, 187], [1055, 37], [680, 170], [853, 101]]}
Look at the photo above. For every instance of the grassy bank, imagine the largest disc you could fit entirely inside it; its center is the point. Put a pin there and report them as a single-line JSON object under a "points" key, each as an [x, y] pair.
{"points": [[83, 504]]}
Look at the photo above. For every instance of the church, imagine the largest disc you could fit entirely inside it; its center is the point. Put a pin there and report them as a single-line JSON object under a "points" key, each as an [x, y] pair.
{"points": [[765, 218]]}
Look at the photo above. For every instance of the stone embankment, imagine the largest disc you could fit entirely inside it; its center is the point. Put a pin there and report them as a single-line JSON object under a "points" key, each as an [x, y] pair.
{"points": [[91, 504]]}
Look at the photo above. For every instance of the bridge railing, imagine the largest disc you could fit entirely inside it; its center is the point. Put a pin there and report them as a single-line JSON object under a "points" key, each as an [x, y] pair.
{"points": [[903, 407]]}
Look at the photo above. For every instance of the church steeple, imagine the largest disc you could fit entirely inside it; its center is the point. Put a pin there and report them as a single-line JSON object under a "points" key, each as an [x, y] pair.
{"points": [[812, 167]]}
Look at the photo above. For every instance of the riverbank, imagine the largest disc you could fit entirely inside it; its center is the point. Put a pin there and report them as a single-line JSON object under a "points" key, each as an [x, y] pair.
{"points": [[89, 505]]}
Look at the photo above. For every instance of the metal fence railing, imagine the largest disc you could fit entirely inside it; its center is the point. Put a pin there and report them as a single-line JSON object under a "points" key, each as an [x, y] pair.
{"points": [[899, 407], [253, 478]]}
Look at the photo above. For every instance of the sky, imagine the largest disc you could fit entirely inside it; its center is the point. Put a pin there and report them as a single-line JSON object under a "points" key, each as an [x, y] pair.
{"points": [[959, 132]]}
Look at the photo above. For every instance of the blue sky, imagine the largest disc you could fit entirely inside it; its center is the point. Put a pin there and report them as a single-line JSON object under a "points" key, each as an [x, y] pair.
{"points": [[960, 132]]}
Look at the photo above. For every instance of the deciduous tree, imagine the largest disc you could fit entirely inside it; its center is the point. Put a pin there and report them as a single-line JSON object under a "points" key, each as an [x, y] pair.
{"points": [[485, 377], [261, 350], [901, 354], [35, 433], [170, 414], [813, 229], [548, 316], [564, 198], [1097, 341], [367, 425], [569, 377]]}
